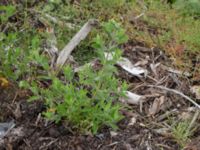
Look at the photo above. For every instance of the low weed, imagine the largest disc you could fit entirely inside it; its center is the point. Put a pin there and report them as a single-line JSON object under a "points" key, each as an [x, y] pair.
{"points": [[15, 55], [182, 133], [88, 102]]}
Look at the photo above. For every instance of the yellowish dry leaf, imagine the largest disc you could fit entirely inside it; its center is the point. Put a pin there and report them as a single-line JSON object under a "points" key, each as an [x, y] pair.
{"points": [[4, 82]]}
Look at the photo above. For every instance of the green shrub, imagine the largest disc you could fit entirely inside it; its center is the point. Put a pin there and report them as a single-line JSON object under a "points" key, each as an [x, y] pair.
{"points": [[16, 46], [89, 102], [16, 51]]}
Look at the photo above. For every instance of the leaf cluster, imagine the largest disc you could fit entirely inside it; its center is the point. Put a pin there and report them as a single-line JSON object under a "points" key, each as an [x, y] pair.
{"points": [[90, 101]]}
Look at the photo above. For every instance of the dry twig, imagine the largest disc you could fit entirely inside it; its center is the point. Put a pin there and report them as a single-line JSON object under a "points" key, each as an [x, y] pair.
{"points": [[176, 92], [195, 117]]}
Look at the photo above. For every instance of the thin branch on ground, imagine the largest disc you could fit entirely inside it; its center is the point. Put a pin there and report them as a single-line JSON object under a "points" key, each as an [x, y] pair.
{"points": [[195, 117], [176, 92]]}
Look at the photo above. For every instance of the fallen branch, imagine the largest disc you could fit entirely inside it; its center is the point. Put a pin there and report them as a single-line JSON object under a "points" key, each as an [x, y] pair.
{"points": [[64, 54], [176, 92]]}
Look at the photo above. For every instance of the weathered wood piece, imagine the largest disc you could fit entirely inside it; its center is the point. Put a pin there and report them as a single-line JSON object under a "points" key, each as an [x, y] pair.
{"points": [[81, 35]]}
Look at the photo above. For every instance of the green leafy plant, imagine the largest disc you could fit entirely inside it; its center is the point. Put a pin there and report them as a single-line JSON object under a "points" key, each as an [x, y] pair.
{"points": [[89, 102], [17, 49], [16, 59], [6, 12]]}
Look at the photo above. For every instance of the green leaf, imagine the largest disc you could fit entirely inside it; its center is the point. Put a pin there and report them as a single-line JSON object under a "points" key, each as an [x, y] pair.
{"points": [[24, 84], [8, 11], [68, 72], [33, 98]]}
